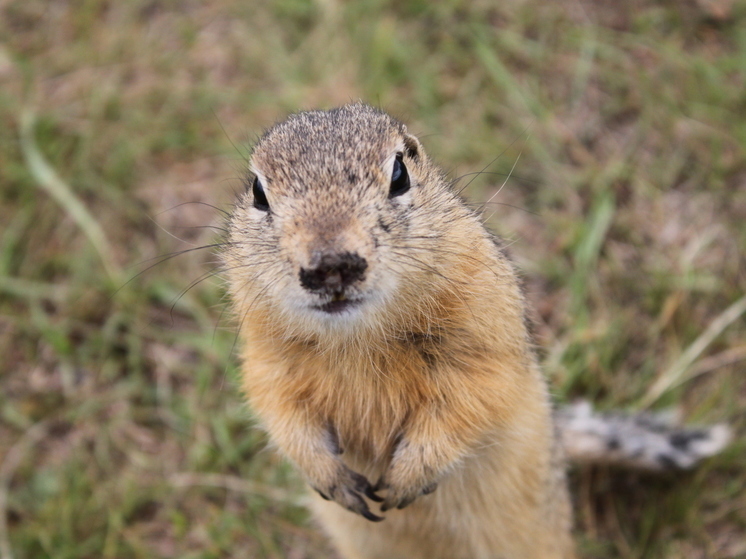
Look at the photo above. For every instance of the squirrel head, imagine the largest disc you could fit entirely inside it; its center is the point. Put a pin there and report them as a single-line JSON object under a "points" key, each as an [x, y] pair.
{"points": [[341, 225]]}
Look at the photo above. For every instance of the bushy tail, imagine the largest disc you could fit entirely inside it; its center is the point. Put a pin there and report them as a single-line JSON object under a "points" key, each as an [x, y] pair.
{"points": [[650, 441]]}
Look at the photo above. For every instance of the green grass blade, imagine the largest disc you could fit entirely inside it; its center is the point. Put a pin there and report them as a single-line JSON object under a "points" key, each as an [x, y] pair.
{"points": [[48, 179]]}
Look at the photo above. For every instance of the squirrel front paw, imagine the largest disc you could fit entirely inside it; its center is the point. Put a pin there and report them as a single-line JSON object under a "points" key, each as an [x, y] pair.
{"points": [[407, 478], [347, 488]]}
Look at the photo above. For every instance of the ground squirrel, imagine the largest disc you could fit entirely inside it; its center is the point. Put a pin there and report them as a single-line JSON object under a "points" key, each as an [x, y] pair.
{"points": [[385, 351]]}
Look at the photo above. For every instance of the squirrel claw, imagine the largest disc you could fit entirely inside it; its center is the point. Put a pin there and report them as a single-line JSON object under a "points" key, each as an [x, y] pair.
{"points": [[370, 492], [323, 495], [372, 517], [400, 504], [359, 506], [405, 503], [429, 488], [408, 498], [348, 490]]}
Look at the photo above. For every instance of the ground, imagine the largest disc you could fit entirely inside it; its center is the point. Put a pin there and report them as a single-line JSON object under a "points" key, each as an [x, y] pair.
{"points": [[611, 136]]}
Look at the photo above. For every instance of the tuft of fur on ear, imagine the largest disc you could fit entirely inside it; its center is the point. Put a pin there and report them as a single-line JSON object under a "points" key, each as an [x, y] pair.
{"points": [[648, 441], [413, 146]]}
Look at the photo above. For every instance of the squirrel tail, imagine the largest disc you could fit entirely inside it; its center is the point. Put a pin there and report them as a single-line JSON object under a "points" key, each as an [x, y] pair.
{"points": [[649, 441]]}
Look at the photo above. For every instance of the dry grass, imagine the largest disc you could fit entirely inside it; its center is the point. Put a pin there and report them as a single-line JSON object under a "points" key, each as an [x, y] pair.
{"points": [[122, 433]]}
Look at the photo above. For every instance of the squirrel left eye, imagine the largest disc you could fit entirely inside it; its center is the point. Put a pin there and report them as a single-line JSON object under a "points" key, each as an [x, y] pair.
{"points": [[260, 199], [399, 177]]}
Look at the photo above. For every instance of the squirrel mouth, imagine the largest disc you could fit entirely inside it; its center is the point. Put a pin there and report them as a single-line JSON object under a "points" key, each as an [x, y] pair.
{"points": [[338, 304]]}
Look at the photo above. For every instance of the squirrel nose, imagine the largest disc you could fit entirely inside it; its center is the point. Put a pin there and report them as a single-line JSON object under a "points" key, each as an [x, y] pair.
{"points": [[333, 273]]}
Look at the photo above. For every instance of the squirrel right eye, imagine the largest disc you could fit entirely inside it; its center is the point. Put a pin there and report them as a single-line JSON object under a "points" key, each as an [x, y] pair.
{"points": [[260, 199], [399, 177]]}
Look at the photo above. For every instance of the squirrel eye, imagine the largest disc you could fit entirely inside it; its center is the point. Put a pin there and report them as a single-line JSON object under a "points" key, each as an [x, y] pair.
{"points": [[399, 178], [260, 199]]}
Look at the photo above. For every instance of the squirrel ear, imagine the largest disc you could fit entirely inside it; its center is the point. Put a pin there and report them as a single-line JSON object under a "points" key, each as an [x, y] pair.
{"points": [[412, 146]]}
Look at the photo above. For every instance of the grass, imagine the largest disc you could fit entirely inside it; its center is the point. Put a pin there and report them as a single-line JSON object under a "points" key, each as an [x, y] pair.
{"points": [[122, 431]]}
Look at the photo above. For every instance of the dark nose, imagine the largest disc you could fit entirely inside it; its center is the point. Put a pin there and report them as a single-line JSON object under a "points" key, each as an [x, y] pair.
{"points": [[333, 273]]}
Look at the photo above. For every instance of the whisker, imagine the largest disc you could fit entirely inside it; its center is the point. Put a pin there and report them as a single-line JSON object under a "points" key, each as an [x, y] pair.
{"points": [[238, 151], [479, 206], [215, 271], [162, 259], [521, 178], [498, 156], [222, 211], [214, 227]]}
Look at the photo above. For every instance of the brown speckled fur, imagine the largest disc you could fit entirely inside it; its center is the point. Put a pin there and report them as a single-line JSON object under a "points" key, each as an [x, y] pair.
{"points": [[429, 380]]}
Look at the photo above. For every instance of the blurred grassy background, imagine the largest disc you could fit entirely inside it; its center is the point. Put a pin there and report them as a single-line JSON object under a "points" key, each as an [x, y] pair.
{"points": [[122, 433]]}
